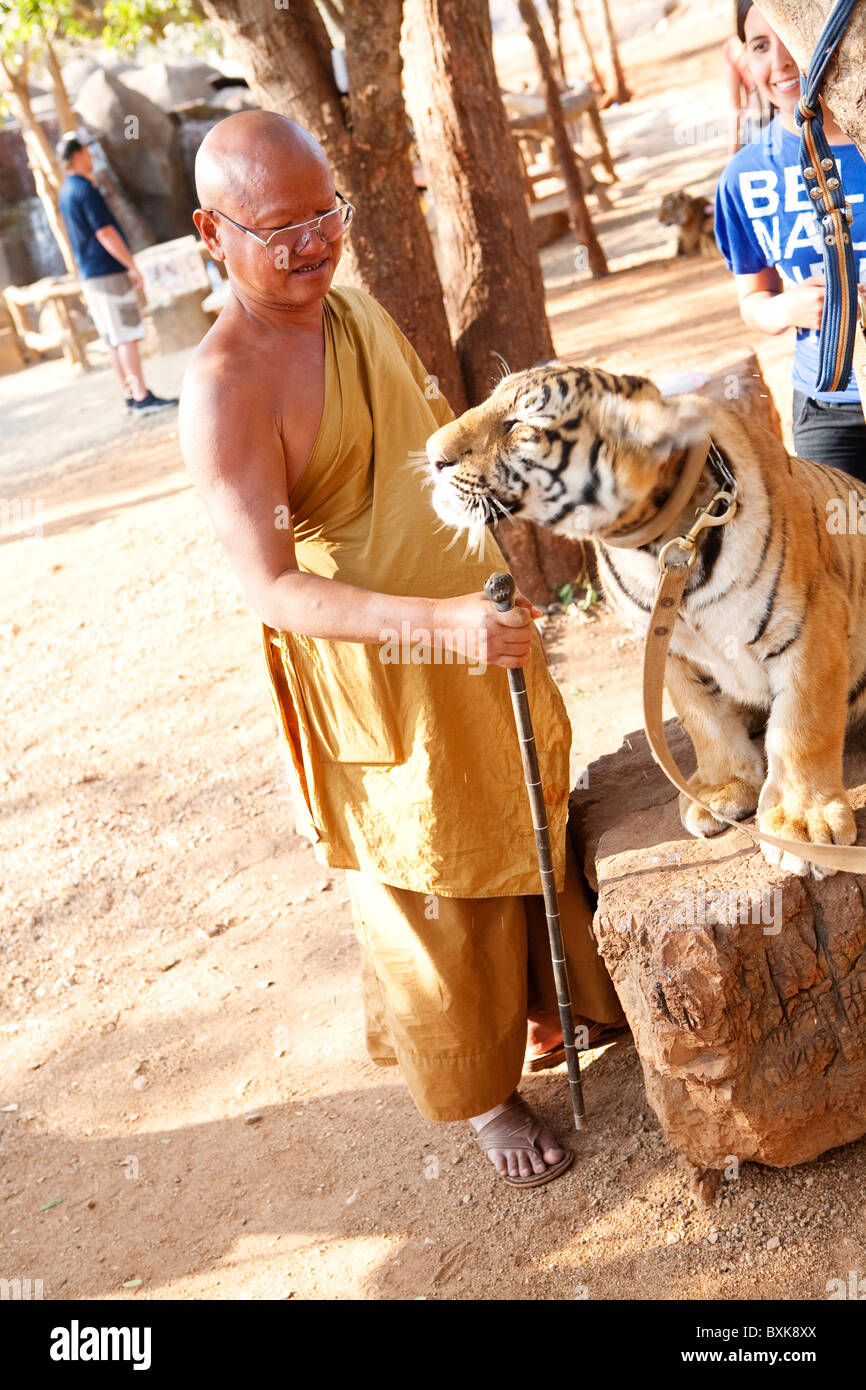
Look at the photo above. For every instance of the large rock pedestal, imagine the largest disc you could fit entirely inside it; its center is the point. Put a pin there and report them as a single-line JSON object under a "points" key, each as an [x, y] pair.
{"points": [[745, 987]]}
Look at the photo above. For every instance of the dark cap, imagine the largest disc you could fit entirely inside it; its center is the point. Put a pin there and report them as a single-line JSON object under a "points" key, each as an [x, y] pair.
{"points": [[68, 145]]}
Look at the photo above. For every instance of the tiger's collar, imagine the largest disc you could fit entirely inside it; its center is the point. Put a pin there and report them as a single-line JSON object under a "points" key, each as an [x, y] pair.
{"points": [[684, 490]]}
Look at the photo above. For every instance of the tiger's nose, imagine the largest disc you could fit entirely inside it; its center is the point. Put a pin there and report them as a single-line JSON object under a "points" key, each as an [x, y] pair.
{"points": [[440, 462]]}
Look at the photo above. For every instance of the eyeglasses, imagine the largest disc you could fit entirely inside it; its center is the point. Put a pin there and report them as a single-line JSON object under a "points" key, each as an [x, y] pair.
{"points": [[328, 227]]}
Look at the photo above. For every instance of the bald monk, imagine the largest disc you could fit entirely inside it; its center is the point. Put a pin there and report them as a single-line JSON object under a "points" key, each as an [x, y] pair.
{"points": [[301, 415]]}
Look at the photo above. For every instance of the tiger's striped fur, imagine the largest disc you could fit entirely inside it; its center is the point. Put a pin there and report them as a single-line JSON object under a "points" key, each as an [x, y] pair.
{"points": [[772, 627]]}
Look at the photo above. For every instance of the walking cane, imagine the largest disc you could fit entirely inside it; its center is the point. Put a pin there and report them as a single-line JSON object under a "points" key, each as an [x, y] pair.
{"points": [[499, 588]]}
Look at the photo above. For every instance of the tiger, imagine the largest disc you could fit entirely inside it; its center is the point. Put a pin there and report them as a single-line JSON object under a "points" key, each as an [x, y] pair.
{"points": [[771, 632], [694, 218]]}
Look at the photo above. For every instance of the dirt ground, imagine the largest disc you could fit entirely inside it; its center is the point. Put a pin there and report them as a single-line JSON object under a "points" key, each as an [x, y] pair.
{"points": [[186, 1107]]}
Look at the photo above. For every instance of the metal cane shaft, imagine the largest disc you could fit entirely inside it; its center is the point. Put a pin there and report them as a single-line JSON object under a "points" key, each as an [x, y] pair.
{"points": [[502, 595]]}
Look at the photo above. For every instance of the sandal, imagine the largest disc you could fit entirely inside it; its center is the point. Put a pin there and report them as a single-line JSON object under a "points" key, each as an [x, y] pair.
{"points": [[599, 1035], [510, 1131]]}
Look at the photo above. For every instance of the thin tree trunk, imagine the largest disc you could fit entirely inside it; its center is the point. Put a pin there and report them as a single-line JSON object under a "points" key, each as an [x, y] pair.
{"points": [[616, 89], [65, 115], [798, 23], [334, 14], [494, 293], [579, 213], [43, 162], [556, 20], [597, 79], [285, 55]]}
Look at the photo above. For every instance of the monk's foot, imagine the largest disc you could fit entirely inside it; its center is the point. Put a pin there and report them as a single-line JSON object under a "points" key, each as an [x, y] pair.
{"points": [[544, 1047], [520, 1145], [543, 1033]]}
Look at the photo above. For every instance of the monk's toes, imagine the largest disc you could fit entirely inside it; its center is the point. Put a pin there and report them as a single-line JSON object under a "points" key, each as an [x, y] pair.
{"points": [[550, 1149]]}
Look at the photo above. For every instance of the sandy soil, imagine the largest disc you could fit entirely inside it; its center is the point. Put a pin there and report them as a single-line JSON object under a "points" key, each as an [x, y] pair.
{"points": [[186, 1107]]}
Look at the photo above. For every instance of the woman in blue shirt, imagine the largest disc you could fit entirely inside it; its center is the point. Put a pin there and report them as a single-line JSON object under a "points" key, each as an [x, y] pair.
{"points": [[767, 232]]}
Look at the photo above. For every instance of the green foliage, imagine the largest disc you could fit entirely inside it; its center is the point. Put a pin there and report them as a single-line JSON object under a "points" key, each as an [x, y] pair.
{"points": [[568, 593], [115, 23], [127, 23]]}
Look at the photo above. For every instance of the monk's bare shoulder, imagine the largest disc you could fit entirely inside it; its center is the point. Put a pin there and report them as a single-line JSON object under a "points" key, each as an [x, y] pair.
{"points": [[231, 441], [225, 407], [244, 388]]}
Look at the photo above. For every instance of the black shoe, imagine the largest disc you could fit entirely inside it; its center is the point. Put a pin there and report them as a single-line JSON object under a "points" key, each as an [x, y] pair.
{"points": [[149, 404]]}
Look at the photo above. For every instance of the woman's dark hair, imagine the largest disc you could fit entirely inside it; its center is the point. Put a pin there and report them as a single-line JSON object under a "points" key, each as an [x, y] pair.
{"points": [[743, 7]]}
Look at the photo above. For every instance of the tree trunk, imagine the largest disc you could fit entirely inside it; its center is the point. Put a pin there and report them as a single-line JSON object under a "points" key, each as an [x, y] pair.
{"points": [[556, 20], [798, 23], [65, 115], [404, 274], [46, 171], [616, 88], [579, 213], [285, 55], [597, 79], [494, 293], [493, 287], [334, 14]]}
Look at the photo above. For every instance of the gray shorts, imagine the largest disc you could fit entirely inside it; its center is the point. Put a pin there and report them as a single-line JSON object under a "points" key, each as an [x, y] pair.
{"points": [[113, 305]]}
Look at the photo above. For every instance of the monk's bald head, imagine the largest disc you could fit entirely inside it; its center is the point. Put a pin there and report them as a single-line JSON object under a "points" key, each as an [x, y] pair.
{"points": [[248, 164]]}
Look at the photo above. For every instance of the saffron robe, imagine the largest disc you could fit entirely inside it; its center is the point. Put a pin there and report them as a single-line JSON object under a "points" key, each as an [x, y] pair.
{"points": [[408, 772]]}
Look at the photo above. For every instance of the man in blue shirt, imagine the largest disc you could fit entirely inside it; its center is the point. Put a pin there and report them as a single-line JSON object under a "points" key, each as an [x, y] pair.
{"points": [[768, 233], [108, 275]]}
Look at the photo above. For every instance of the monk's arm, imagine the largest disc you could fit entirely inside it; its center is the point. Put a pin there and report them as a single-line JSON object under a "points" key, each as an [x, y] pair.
{"points": [[236, 459]]}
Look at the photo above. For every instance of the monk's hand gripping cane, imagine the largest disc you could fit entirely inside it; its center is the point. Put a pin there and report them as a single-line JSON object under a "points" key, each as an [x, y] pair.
{"points": [[499, 588]]}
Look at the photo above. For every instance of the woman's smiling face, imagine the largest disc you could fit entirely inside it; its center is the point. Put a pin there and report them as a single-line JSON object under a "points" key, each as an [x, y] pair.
{"points": [[774, 71]]}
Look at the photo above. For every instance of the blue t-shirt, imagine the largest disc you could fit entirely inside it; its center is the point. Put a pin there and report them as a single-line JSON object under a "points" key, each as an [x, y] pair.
{"points": [[86, 212], [764, 218]]}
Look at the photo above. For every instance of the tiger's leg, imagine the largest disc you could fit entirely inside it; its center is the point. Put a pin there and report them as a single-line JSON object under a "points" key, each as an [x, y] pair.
{"points": [[804, 797], [730, 770]]}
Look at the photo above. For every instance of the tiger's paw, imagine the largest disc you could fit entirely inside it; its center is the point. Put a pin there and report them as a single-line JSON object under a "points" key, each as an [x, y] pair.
{"points": [[824, 821], [737, 799]]}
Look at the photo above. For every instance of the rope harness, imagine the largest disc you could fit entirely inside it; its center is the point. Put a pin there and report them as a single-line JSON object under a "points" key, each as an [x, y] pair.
{"points": [[842, 306]]}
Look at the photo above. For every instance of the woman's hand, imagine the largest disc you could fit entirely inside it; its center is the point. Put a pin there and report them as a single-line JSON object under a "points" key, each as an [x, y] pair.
{"points": [[803, 304]]}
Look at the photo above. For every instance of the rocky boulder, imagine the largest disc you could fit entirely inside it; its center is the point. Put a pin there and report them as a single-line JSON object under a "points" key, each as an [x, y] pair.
{"points": [[172, 84], [745, 987], [142, 146]]}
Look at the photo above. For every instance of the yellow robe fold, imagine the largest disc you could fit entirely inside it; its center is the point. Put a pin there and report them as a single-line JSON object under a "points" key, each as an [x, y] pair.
{"points": [[405, 771]]}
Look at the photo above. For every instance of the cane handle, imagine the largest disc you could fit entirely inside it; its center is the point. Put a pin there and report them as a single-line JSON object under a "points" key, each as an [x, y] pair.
{"points": [[499, 588]]}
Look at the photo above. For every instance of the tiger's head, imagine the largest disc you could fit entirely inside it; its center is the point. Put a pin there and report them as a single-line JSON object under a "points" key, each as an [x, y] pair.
{"points": [[573, 448], [684, 209]]}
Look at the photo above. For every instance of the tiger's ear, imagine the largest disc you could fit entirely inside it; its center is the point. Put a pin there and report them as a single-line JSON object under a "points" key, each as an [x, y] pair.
{"points": [[654, 424]]}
